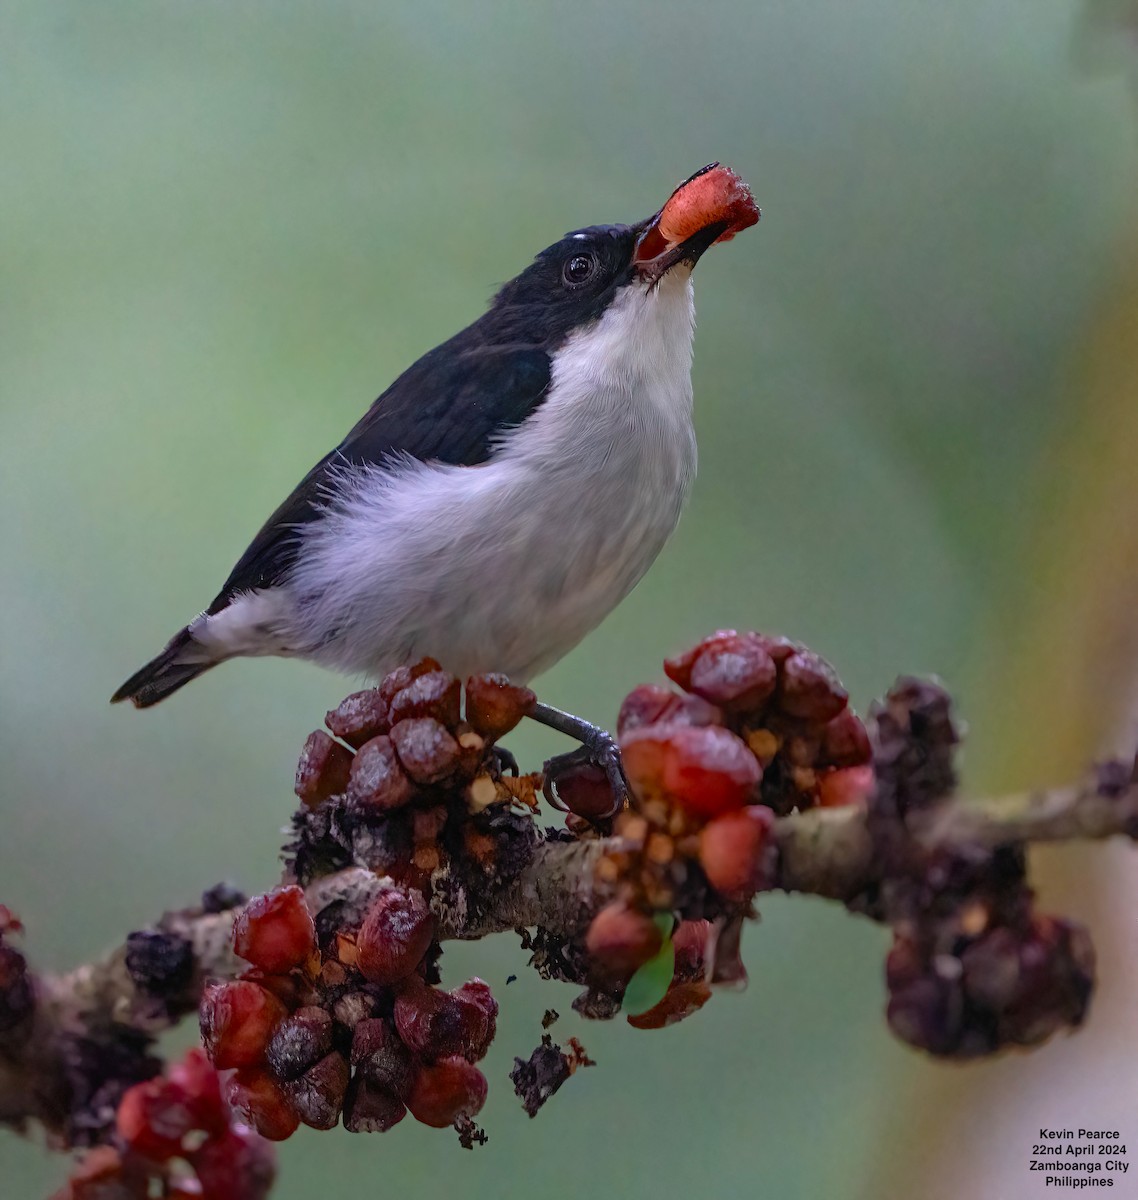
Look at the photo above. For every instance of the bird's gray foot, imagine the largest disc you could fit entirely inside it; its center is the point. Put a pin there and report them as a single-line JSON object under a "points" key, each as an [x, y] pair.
{"points": [[598, 750]]}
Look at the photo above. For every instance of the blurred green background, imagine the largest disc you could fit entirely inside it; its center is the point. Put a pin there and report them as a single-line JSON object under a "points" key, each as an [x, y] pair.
{"points": [[225, 227]]}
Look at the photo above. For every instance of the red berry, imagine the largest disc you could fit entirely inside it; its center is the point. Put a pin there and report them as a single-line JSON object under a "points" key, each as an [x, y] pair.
{"points": [[323, 769], [426, 749], [359, 717], [447, 1090], [733, 850], [261, 1101], [370, 1108], [318, 1095], [434, 694], [275, 931], [584, 789], [197, 1082], [377, 780], [680, 1001], [678, 668], [621, 939], [299, 1041], [845, 742], [437, 1024], [709, 770], [736, 672], [644, 705], [237, 1020], [846, 785], [477, 992], [394, 936], [239, 1165], [706, 769], [808, 688], [153, 1119], [494, 705]]}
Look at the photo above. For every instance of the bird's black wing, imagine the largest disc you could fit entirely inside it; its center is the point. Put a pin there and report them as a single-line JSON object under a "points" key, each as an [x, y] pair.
{"points": [[448, 407]]}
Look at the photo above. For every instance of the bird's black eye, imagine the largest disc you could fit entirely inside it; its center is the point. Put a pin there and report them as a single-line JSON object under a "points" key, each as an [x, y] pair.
{"points": [[579, 269]]}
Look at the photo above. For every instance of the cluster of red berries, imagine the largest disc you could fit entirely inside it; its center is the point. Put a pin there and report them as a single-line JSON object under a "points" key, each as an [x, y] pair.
{"points": [[980, 986], [349, 1027], [402, 757], [763, 726], [176, 1138]]}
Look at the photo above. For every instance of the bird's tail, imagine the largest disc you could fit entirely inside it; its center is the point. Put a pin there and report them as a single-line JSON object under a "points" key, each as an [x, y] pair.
{"points": [[182, 660]]}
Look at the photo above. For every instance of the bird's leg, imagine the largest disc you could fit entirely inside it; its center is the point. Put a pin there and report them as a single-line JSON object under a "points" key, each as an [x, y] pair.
{"points": [[598, 747]]}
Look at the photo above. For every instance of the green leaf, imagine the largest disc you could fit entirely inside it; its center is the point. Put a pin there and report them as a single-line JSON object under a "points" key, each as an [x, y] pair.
{"points": [[647, 987]]}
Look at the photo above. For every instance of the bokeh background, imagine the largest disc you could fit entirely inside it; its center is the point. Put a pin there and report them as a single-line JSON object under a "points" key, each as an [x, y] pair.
{"points": [[226, 225]]}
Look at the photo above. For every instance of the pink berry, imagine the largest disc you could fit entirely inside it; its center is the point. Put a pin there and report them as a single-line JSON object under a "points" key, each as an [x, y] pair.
{"points": [[621, 939], [733, 850], [275, 931]]}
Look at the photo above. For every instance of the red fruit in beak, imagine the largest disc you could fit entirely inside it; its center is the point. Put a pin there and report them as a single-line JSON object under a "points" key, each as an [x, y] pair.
{"points": [[715, 196]]}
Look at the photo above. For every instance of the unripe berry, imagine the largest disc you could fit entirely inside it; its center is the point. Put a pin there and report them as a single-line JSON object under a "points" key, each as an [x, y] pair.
{"points": [[262, 1102], [299, 1042], [318, 1095], [237, 1020], [394, 936], [275, 931], [621, 939], [733, 850], [369, 1108], [378, 1053], [445, 1091]]}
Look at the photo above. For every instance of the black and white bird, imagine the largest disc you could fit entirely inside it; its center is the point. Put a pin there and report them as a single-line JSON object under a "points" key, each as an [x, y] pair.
{"points": [[507, 491]]}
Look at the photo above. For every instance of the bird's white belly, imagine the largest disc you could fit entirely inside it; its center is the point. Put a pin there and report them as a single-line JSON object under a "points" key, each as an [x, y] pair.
{"points": [[492, 568], [507, 565]]}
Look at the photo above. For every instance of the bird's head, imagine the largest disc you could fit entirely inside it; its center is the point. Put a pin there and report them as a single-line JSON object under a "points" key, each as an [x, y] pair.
{"points": [[574, 282]]}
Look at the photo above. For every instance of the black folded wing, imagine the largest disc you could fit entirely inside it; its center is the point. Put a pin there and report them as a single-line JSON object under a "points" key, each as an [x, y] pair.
{"points": [[448, 407]]}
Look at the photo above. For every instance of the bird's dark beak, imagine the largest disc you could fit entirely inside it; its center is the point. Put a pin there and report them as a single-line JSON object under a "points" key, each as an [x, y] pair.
{"points": [[712, 206]]}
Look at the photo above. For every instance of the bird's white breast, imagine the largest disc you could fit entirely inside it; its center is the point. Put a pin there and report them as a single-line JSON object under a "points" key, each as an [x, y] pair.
{"points": [[507, 565]]}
